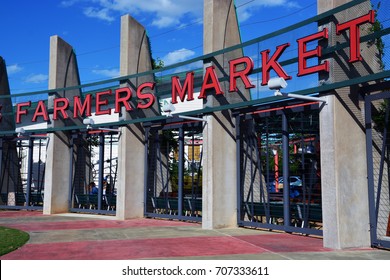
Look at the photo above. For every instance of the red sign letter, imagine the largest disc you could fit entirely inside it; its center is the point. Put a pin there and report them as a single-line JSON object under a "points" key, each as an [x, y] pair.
{"points": [[124, 100], [268, 63], [40, 111], [304, 55], [78, 108], [145, 95], [20, 112], [100, 103], [57, 108], [354, 33], [210, 75], [243, 74], [188, 87]]}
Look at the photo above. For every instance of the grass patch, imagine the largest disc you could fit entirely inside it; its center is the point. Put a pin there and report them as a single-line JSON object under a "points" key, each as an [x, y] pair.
{"points": [[11, 239]]}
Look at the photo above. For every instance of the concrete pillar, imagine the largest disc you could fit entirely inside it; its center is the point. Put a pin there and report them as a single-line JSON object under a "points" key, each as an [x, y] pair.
{"points": [[63, 72], [7, 121], [220, 162], [10, 181], [134, 58], [343, 152]]}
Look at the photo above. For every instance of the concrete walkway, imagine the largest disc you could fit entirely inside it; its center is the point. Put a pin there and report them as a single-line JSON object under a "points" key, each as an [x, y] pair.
{"points": [[94, 237]]}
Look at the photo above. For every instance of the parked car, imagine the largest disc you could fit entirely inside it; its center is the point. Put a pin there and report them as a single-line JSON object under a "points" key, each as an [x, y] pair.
{"points": [[295, 185], [295, 181]]}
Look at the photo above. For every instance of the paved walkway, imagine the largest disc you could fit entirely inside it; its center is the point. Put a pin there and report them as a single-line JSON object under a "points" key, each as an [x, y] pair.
{"points": [[93, 237]]}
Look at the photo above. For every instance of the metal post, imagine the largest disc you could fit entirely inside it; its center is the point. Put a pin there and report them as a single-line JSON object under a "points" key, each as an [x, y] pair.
{"points": [[39, 167], [110, 172], [1, 165], [146, 166], [238, 169], [286, 171], [101, 169], [181, 171], [192, 161], [71, 150], [29, 170], [370, 172], [268, 182]]}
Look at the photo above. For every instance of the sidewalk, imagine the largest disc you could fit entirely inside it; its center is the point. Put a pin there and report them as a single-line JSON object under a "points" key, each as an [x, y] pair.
{"points": [[94, 237]]}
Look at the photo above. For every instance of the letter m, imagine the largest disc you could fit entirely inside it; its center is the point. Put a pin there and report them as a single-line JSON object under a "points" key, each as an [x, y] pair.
{"points": [[188, 87]]}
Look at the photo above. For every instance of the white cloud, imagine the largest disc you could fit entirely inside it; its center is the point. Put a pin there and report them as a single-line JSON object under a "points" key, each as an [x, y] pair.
{"points": [[12, 69], [165, 21], [36, 78], [177, 56], [68, 3], [102, 14], [246, 10], [109, 73], [168, 13], [165, 12]]}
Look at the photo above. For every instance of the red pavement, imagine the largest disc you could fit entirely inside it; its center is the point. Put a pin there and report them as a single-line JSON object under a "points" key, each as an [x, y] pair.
{"points": [[45, 226], [135, 241], [163, 248]]}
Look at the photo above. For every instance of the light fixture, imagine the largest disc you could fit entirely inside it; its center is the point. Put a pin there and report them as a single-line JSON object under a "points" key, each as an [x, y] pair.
{"points": [[89, 122], [20, 131], [279, 83], [168, 108]]}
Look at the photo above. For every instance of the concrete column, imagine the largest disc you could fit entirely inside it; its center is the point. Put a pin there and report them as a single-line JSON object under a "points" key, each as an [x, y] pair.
{"points": [[8, 153], [7, 121], [63, 72], [220, 163], [134, 58], [343, 153]]}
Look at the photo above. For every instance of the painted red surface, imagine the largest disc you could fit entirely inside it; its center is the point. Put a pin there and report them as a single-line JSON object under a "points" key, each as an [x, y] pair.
{"points": [[134, 249], [22, 213], [285, 243], [67, 225], [140, 247]]}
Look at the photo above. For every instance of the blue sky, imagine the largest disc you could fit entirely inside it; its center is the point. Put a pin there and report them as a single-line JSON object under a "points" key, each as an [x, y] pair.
{"points": [[92, 27]]}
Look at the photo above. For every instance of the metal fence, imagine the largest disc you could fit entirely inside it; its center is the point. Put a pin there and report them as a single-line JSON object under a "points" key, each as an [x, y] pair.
{"points": [[279, 173], [22, 178], [174, 171], [377, 109], [94, 172]]}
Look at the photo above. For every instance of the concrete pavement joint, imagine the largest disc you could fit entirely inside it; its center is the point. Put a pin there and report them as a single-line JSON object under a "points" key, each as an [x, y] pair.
{"points": [[256, 246]]}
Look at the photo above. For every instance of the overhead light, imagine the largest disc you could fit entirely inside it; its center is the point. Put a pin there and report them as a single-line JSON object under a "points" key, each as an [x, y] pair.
{"points": [[279, 83], [168, 108], [20, 131], [89, 122]]}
